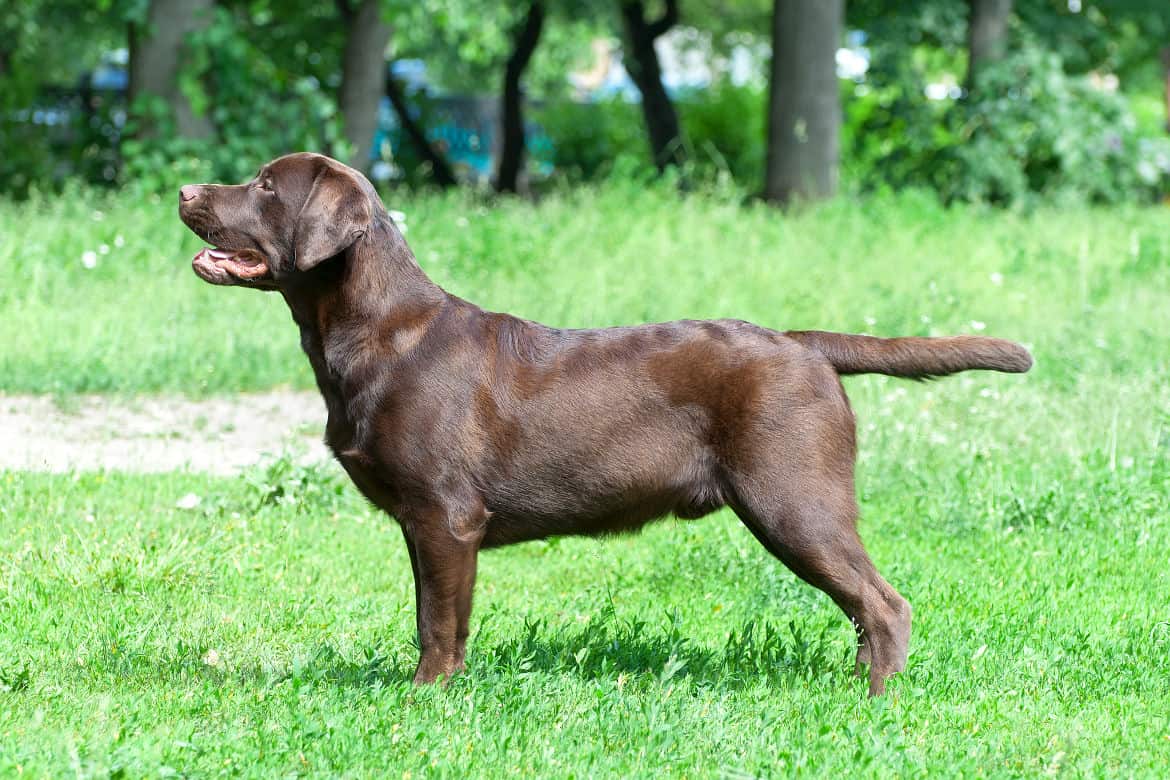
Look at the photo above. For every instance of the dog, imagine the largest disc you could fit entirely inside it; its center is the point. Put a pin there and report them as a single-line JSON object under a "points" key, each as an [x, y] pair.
{"points": [[476, 429]]}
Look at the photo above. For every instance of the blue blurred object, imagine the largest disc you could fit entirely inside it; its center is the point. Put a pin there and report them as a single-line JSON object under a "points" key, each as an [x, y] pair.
{"points": [[462, 127]]}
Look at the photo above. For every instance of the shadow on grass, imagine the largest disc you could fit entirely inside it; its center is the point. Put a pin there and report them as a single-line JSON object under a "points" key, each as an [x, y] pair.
{"points": [[608, 649], [605, 649]]}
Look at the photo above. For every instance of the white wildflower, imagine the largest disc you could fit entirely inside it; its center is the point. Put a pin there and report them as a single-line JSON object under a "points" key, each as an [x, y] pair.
{"points": [[89, 258], [189, 501]]}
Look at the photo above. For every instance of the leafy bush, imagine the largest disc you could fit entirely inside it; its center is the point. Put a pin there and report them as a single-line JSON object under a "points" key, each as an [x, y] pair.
{"points": [[723, 129], [1029, 130], [725, 126], [260, 112], [588, 138]]}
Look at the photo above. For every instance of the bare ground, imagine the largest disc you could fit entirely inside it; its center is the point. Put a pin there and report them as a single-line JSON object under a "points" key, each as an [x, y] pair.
{"points": [[219, 435]]}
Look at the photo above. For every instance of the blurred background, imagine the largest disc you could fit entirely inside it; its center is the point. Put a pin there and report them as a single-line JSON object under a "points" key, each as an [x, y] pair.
{"points": [[977, 100]]}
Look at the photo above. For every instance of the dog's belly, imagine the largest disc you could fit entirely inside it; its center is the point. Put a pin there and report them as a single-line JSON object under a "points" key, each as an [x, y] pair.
{"points": [[519, 524], [633, 481]]}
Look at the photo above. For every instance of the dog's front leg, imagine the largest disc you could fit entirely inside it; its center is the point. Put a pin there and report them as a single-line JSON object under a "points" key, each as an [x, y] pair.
{"points": [[444, 577]]}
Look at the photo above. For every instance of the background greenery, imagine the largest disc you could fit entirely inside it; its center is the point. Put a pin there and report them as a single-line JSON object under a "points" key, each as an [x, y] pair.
{"points": [[1042, 126]]}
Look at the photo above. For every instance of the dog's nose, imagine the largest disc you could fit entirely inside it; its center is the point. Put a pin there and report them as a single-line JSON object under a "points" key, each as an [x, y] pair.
{"points": [[188, 192]]}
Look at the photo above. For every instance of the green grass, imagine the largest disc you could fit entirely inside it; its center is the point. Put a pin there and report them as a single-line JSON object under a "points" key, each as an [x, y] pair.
{"points": [[142, 321], [1027, 519], [263, 635]]}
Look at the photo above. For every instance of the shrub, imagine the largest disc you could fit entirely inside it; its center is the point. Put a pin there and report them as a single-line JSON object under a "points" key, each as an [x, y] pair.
{"points": [[1030, 130], [725, 127], [587, 138], [261, 112]]}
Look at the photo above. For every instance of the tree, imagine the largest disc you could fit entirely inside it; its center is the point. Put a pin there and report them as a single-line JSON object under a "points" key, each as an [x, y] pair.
{"points": [[658, 111], [156, 54], [440, 169], [1166, 82], [512, 113], [804, 107], [363, 75], [986, 35]]}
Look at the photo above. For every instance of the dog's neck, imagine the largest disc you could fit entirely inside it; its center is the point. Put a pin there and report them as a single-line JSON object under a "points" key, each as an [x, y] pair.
{"points": [[375, 287]]}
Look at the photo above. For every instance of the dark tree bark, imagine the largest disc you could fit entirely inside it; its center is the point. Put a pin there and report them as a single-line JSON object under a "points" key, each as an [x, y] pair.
{"points": [[1166, 79], [986, 35], [661, 119], [440, 170], [512, 150], [156, 52], [804, 105], [363, 75]]}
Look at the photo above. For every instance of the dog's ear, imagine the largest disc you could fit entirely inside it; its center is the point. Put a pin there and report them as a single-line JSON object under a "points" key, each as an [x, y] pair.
{"points": [[336, 213]]}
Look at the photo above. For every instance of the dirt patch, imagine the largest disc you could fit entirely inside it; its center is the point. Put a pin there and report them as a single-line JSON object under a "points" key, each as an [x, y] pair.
{"points": [[220, 435]]}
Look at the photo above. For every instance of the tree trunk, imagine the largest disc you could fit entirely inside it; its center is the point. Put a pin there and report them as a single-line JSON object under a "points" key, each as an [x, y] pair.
{"points": [[156, 52], [986, 35], [440, 169], [661, 119], [363, 76], [804, 105], [512, 116], [1166, 79]]}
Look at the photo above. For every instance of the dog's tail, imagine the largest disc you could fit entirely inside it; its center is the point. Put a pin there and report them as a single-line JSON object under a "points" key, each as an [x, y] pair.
{"points": [[914, 358]]}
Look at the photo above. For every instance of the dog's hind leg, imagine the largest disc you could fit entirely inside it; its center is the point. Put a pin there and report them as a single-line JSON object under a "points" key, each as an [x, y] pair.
{"points": [[817, 539]]}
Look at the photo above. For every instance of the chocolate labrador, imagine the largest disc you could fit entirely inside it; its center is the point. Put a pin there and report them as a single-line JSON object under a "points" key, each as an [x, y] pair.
{"points": [[476, 429]]}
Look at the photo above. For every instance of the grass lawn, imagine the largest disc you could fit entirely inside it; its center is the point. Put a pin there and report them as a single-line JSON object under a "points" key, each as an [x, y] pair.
{"points": [[269, 630]]}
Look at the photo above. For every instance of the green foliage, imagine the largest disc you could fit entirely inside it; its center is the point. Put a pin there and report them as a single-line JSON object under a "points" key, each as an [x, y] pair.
{"points": [[267, 71], [588, 139], [725, 126], [475, 39], [1031, 130], [44, 45], [1109, 36], [284, 112]]}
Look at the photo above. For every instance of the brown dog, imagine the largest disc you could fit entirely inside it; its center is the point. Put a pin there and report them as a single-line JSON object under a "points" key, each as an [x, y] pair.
{"points": [[476, 429]]}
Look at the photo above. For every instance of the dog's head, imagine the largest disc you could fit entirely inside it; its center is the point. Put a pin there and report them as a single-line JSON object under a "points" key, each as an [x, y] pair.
{"points": [[298, 211]]}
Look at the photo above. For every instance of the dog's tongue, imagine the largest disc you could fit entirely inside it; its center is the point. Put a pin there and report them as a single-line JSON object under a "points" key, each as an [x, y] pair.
{"points": [[214, 263]]}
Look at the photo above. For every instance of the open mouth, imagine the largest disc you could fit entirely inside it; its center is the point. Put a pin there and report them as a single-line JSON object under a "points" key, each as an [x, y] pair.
{"points": [[230, 266]]}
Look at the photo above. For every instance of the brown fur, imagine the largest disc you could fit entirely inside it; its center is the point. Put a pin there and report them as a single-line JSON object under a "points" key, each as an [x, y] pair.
{"points": [[476, 429]]}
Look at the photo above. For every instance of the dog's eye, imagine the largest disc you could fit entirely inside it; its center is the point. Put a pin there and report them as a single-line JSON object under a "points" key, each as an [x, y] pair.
{"points": [[266, 185]]}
